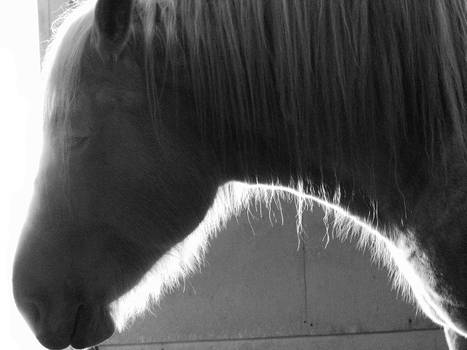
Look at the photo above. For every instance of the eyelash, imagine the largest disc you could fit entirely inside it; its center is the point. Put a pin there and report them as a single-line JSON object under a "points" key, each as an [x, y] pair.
{"points": [[77, 141]]}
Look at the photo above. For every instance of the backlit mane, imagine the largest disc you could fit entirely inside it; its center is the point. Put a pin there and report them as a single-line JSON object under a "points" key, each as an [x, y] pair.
{"points": [[61, 64], [323, 75], [327, 79], [336, 76]]}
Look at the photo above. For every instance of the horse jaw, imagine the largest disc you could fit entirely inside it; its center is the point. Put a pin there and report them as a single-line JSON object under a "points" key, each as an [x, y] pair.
{"points": [[185, 258]]}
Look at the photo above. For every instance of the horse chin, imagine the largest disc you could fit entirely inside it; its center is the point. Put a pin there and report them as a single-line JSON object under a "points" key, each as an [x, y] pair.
{"points": [[93, 326], [53, 343]]}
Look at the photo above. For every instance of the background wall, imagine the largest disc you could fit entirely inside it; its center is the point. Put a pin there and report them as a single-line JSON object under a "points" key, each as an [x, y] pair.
{"points": [[261, 290], [258, 291]]}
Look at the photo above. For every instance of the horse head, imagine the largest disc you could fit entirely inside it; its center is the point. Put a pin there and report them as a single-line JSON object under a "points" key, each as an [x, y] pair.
{"points": [[128, 172], [110, 197]]}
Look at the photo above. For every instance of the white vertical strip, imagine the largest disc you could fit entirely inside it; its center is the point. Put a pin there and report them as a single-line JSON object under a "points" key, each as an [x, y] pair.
{"points": [[20, 143]]}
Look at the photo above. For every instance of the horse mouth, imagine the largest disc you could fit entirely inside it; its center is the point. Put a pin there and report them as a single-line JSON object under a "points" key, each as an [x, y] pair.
{"points": [[54, 343], [92, 326]]}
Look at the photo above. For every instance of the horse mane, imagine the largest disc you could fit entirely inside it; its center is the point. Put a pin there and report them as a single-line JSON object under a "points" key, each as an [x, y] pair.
{"points": [[338, 80], [331, 79], [61, 63]]}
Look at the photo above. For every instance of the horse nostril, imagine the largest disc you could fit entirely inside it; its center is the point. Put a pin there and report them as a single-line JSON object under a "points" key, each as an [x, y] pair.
{"points": [[31, 313]]}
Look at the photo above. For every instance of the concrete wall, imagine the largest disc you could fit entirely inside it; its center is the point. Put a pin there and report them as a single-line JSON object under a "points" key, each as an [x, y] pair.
{"points": [[261, 290], [258, 291], [414, 340]]}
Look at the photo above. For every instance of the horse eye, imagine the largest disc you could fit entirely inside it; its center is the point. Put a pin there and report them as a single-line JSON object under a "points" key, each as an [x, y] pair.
{"points": [[77, 141]]}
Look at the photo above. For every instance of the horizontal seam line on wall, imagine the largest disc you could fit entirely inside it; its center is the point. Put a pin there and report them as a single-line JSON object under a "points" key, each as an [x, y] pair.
{"points": [[299, 336]]}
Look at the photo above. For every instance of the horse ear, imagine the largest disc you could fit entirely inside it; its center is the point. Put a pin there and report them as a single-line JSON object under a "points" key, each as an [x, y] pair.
{"points": [[112, 25]]}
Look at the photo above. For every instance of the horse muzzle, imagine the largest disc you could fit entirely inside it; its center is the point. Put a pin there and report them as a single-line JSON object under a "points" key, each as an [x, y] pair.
{"points": [[81, 326]]}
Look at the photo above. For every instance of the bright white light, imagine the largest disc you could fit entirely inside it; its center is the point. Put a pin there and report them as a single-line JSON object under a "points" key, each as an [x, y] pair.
{"points": [[20, 144]]}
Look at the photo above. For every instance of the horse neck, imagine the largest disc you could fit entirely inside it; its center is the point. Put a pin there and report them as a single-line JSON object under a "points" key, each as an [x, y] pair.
{"points": [[370, 193], [378, 192], [368, 184]]}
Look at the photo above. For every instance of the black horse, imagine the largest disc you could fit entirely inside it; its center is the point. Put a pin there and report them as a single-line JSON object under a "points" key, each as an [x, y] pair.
{"points": [[153, 107]]}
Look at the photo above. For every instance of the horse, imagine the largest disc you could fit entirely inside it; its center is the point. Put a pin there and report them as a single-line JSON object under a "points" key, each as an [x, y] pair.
{"points": [[163, 118]]}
